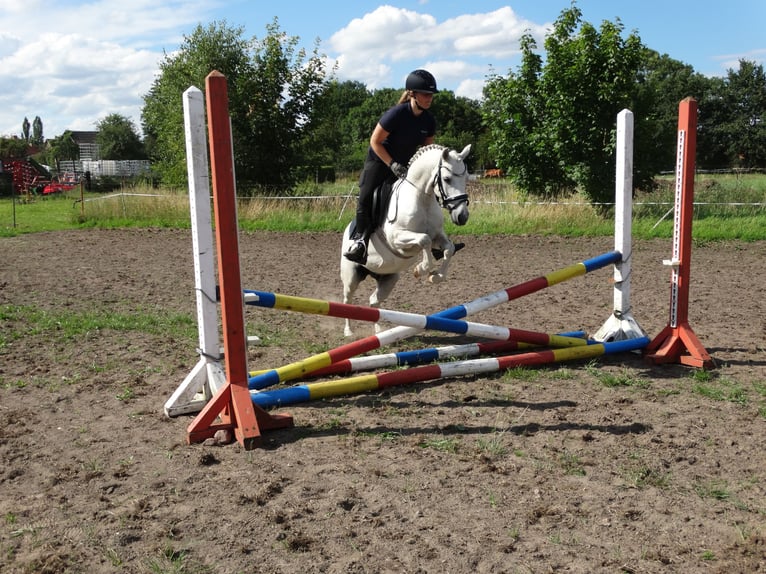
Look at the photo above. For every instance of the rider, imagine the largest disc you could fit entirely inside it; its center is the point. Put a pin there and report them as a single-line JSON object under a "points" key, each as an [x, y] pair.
{"points": [[396, 137]]}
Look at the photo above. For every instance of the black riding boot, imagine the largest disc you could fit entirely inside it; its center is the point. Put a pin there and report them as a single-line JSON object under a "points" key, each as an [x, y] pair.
{"points": [[357, 251]]}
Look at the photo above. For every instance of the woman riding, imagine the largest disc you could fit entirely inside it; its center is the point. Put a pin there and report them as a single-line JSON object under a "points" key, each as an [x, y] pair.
{"points": [[395, 139]]}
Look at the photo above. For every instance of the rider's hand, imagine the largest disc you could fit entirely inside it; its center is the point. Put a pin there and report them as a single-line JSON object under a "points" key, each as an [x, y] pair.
{"points": [[399, 170]]}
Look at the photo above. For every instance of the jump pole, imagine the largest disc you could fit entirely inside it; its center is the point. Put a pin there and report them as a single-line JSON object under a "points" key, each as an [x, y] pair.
{"points": [[677, 342], [366, 383], [301, 368], [421, 356], [419, 321], [231, 408]]}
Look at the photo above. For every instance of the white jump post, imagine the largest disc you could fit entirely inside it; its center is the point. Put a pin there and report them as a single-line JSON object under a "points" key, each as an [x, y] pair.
{"points": [[620, 325], [208, 375]]}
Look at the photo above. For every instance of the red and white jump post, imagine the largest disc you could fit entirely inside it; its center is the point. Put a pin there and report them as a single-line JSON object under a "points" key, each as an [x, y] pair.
{"points": [[677, 341], [231, 408]]}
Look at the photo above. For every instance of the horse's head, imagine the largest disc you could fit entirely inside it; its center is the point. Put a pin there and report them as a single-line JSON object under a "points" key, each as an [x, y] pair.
{"points": [[450, 179]]}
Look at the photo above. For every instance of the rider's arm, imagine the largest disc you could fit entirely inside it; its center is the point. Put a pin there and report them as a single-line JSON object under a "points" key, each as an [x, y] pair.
{"points": [[377, 138]]}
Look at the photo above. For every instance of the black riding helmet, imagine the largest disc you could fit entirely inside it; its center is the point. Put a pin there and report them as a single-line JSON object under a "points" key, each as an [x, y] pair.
{"points": [[421, 81]]}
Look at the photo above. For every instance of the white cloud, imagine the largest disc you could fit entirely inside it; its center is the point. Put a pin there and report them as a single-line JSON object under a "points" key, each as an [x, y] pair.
{"points": [[409, 39], [98, 58]]}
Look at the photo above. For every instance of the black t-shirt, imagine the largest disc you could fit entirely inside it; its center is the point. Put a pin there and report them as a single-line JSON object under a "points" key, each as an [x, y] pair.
{"points": [[406, 132]]}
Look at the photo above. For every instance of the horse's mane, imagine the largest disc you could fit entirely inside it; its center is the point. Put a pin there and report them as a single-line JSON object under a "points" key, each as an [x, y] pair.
{"points": [[423, 150]]}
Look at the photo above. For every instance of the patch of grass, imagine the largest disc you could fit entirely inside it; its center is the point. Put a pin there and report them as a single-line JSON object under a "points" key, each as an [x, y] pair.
{"points": [[65, 325], [571, 464], [126, 395], [494, 446], [176, 562], [444, 444], [643, 476], [715, 489], [520, 373], [611, 380], [497, 207], [720, 390]]}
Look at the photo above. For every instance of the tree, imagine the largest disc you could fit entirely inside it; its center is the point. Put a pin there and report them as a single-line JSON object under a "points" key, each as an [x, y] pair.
{"points": [[329, 139], [458, 122], [733, 119], [216, 47], [61, 148], [272, 88], [37, 132], [283, 90], [25, 130], [13, 148], [117, 139], [661, 84], [562, 113]]}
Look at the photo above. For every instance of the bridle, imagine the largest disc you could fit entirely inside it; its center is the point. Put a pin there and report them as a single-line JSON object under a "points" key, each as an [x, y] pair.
{"points": [[449, 203]]}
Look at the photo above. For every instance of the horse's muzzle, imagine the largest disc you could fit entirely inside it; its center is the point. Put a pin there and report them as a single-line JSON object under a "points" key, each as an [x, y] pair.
{"points": [[459, 215]]}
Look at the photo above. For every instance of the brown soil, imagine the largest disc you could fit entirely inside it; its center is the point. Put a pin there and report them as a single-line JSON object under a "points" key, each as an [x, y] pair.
{"points": [[609, 465]]}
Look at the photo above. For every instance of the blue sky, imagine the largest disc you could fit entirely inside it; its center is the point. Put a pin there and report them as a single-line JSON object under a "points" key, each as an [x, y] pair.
{"points": [[73, 62]]}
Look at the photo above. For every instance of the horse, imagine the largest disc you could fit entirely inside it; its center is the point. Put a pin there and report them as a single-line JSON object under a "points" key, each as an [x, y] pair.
{"points": [[412, 232]]}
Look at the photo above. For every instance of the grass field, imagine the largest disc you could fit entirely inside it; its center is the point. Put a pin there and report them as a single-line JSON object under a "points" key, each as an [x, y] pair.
{"points": [[727, 207]]}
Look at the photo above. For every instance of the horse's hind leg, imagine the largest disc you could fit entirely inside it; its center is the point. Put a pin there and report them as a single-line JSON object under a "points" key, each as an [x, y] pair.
{"points": [[385, 284]]}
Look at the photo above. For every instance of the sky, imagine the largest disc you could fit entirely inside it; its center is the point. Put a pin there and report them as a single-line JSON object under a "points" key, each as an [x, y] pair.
{"points": [[74, 62]]}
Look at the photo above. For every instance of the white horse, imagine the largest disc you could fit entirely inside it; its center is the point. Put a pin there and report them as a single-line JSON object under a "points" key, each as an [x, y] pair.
{"points": [[413, 227]]}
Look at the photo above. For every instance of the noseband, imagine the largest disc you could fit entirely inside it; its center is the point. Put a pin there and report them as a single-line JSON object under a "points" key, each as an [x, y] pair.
{"points": [[450, 203]]}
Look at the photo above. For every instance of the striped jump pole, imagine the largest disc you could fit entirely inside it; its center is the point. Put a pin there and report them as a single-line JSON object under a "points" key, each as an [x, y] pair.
{"points": [[372, 382], [427, 322], [302, 368], [421, 356]]}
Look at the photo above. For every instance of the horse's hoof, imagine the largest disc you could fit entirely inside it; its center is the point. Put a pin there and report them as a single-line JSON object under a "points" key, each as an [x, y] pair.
{"points": [[435, 278]]}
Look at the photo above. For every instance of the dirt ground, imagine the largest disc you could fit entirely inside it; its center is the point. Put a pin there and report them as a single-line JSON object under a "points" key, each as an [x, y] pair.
{"points": [[610, 465]]}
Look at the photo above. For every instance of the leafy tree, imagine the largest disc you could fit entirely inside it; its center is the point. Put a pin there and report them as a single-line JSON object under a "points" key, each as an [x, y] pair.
{"points": [[282, 92], [12, 148], [117, 139], [458, 123], [61, 148], [216, 47], [37, 132], [733, 119], [328, 139], [520, 138], [661, 84], [554, 122], [25, 130], [271, 88]]}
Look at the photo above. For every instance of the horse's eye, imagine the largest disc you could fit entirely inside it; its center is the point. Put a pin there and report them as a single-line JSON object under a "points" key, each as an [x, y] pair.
{"points": [[447, 179]]}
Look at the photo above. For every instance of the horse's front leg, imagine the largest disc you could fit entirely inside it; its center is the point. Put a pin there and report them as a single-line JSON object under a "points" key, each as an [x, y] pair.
{"points": [[408, 241], [440, 274]]}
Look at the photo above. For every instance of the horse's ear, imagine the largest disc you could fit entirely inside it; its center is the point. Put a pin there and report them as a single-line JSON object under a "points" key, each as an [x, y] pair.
{"points": [[465, 152]]}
